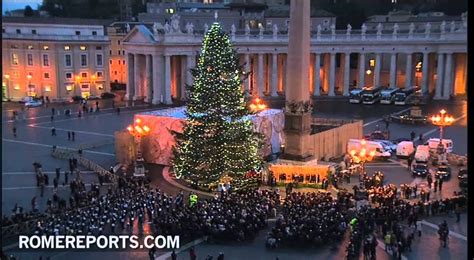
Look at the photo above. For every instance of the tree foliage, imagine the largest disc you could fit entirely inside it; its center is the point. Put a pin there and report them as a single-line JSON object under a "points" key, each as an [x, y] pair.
{"points": [[218, 138]]}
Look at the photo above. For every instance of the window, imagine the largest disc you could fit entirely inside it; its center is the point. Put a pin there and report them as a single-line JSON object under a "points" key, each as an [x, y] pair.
{"points": [[30, 47], [29, 58], [94, 32], [3, 30], [98, 60], [68, 75], [68, 60], [18, 31], [123, 62], [15, 59], [82, 48], [118, 52], [100, 74], [83, 60], [67, 47], [47, 88], [118, 42], [84, 74], [46, 75], [110, 61], [46, 47], [78, 32], [33, 31], [16, 74], [45, 60], [118, 62], [68, 87], [98, 47], [110, 52], [115, 72]]}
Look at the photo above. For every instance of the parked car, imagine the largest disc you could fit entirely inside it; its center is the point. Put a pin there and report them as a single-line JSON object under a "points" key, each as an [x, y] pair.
{"points": [[420, 170], [388, 145], [462, 176], [76, 99], [93, 97], [34, 103], [443, 172], [107, 95]]}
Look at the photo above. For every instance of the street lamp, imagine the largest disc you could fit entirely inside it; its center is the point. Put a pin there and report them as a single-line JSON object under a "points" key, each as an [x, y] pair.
{"points": [[138, 130], [418, 71], [257, 105], [441, 120], [362, 155]]}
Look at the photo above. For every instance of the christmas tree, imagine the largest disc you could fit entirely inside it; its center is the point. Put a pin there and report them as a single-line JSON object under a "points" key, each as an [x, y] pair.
{"points": [[218, 138]]}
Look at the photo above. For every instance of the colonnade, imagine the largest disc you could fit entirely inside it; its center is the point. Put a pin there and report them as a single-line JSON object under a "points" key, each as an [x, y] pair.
{"points": [[160, 77]]}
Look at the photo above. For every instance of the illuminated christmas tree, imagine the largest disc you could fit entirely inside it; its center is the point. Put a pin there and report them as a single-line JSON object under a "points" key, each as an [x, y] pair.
{"points": [[218, 139]]}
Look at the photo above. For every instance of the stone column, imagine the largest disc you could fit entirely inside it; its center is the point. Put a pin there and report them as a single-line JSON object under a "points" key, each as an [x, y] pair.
{"points": [[347, 73], [130, 78], [378, 67], [190, 64], [361, 82], [157, 76], [148, 79], [393, 70], [167, 93], [317, 78], [260, 76], [332, 74], [448, 76], [249, 78], [409, 72], [136, 73], [274, 84], [425, 64], [439, 76]]}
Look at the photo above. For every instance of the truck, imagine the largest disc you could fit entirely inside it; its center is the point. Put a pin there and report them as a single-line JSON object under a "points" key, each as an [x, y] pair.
{"points": [[377, 148], [422, 154], [405, 149], [434, 142]]}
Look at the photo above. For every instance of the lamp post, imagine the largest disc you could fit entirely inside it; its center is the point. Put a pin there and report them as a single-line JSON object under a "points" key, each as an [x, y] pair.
{"points": [[7, 77], [441, 120], [418, 71], [138, 130]]}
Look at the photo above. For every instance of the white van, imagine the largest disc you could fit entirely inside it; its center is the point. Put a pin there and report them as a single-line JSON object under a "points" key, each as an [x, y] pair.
{"points": [[405, 149], [434, 142], [378, 148], [422, 154]]}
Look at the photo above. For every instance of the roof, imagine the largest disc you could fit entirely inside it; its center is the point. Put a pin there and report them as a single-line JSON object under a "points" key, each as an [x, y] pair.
{"points": [[55, 20], [286, 13]]}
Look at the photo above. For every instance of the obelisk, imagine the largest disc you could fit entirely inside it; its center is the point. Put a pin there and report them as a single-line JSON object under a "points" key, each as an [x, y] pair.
{"points": [[298, 106]]}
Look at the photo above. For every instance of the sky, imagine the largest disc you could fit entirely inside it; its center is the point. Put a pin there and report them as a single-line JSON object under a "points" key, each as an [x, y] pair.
{"points": [[8, 5]]}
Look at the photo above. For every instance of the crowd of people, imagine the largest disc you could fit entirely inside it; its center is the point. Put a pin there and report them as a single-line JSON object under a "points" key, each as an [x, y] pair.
{"points": [[309, 219]]}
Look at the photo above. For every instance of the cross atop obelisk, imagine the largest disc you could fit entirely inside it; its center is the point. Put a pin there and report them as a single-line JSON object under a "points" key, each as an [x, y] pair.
{"points": [[298, 104]]}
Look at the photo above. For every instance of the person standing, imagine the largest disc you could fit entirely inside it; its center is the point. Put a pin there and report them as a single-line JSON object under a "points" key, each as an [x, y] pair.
{"points": [[55, 182], [221, 256], [457, 211], [173, 254], [440, 183], [192, 254], [73, 135], [53, 131], [118, 111], [429, 179], [69, 135], [66, 175], [58, 170], [412, 135], [435, 184], [14, 131], [421, 138]]}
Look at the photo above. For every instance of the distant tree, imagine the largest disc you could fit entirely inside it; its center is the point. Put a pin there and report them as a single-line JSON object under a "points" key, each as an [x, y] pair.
{"points": [[28, 12]]}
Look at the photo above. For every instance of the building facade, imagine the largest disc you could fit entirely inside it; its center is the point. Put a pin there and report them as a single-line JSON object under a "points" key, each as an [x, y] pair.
{"points": [[435, 59], [54, 57]]}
